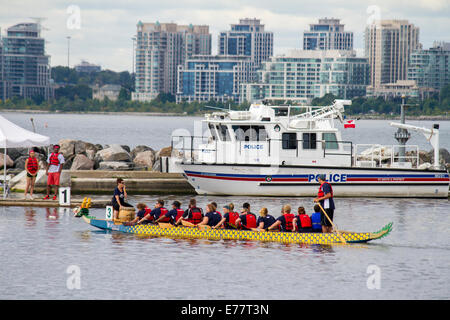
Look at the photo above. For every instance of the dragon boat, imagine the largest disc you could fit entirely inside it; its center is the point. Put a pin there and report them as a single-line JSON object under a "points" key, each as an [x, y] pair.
{"points": [[231, 234]]}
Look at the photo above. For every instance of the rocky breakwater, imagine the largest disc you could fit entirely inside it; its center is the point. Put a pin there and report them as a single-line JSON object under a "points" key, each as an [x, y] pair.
{"points": [[94, 168]]}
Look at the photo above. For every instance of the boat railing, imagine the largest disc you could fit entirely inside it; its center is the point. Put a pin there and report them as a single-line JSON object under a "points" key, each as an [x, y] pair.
{"points": [[184, 147], [377, 155]]}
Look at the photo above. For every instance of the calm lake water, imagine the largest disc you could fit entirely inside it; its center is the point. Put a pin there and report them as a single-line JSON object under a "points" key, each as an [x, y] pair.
{"points": [[41, 247], [155, 132]]}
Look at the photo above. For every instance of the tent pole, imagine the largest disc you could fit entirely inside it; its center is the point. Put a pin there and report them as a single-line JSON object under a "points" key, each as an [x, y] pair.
{"points": [[4, 175]]}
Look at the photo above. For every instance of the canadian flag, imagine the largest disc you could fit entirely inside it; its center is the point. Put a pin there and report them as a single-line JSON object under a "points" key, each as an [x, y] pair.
{"points": [[349, 124]]}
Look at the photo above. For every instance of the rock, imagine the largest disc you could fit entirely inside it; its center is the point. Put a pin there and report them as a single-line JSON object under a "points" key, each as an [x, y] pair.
{"points": [[138, 149], [68, 162], [79, 147], [127, 148], [114, 165], [167, 152], [9, 161], [444, 156], [145, 159], [114, 152], [67, 147], [91, 150], [82, 162], [15, 153]]}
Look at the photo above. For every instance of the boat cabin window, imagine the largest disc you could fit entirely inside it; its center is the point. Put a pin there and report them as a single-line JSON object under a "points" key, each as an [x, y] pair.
{"points": [[330, 140], [213, 131], [289, 140], [224, 133], [250, 133], [309, 140]]}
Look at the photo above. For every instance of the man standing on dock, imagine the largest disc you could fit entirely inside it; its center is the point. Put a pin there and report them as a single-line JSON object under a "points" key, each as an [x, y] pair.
{"points": [[325, 197], [55, 161]]}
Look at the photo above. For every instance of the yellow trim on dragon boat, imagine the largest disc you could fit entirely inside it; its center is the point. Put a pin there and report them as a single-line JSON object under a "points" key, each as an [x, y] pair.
{"points": [[227, 234]]}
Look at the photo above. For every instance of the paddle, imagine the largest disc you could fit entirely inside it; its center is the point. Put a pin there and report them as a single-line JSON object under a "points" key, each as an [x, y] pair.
{"points": [[187, 224], [334, 226], [165, 225]]}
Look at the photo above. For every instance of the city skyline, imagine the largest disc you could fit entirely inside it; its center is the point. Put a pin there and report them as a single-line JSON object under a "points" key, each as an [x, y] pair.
{"points": [[106, 28]]}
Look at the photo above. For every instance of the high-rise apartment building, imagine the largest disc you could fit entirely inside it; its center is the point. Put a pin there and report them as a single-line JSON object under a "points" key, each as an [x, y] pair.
{"points": [[431, 68], [328, 34], [24, 64], [160, 49], [302, 75], [218, 78], [388, 46], [247, 38]]}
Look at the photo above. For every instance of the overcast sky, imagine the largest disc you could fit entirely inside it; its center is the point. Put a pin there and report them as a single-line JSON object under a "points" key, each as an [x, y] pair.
{"points": [[101, 31]]}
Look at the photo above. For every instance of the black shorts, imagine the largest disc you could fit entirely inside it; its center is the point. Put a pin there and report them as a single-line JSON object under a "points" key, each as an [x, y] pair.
{"points": [[324, 220], [30, 176], [116, 206]]}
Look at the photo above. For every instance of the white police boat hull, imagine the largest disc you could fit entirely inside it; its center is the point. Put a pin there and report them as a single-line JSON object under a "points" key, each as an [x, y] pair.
{"points": [[265, 180]]}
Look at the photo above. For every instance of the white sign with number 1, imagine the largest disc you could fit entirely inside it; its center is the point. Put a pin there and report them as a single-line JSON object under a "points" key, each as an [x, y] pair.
{"points": [[64, 196]]}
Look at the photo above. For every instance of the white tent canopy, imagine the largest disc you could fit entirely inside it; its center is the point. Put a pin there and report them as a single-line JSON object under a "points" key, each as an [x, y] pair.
{"points": [[13, 136]]}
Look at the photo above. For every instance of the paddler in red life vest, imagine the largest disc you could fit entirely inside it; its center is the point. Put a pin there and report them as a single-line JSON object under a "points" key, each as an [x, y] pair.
{"points": [[55, 160], [172, 215], [285, 221], [228, 219], [192, 215], [157, 212], [325, 197], [246, 220], [32, 168], [302, 222]]}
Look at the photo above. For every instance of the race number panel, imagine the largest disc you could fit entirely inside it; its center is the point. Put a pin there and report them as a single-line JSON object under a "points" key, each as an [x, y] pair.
{"points": [[64, 196]]}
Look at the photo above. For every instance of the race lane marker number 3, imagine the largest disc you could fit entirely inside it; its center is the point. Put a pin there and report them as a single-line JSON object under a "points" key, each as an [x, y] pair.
{"points": [[109, 213], [64, 196]]}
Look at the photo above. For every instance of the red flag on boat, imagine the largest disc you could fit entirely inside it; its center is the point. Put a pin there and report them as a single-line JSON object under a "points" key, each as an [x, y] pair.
{"points": [[349, 124]]}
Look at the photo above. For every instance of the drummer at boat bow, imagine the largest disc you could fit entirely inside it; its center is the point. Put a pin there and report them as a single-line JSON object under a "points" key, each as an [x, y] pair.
{"points": [[325, 198], [118, 199]]}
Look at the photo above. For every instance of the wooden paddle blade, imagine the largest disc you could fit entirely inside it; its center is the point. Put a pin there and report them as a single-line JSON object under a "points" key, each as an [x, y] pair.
{"points": [[165, 225], [187, 224], [204, 227]]}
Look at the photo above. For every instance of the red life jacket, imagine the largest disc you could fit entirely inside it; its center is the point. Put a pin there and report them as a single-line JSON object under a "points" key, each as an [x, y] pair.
{"points": [[251, 221], [289, 218], [162, 214], [54, 159], [321, 193], [232, 217], [305, 221], [147, 214], [32, 165], [197, 216], [180, 213]]}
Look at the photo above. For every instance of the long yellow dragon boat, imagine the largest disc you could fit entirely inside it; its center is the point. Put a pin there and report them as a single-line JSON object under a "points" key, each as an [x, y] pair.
{"points": [[227, 234]]}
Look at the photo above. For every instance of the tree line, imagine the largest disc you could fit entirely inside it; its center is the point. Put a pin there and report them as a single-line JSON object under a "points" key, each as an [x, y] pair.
{"points": [[74, 94]]}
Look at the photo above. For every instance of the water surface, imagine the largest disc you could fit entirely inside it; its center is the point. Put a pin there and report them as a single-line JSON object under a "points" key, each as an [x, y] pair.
{"points": [[39, 246]]}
